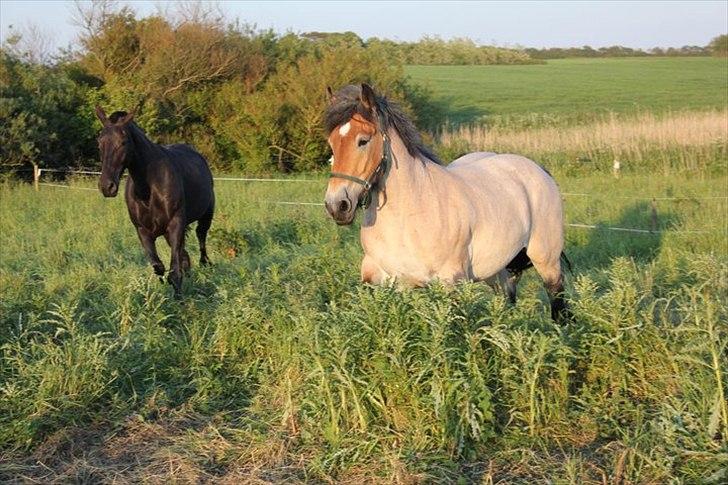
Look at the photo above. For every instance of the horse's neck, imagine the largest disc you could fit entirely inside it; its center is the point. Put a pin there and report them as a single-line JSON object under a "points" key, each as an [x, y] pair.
{"points": [[409, 181], [144, 162]]}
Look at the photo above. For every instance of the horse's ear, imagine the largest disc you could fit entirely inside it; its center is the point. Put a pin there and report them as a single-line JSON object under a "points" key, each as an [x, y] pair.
{"points": [[329, 94], [128, 117], [368, 98], [101, 115]]}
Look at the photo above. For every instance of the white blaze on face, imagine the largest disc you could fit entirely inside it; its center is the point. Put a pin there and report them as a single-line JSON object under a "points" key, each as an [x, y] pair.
{"points": [[344, 129]]}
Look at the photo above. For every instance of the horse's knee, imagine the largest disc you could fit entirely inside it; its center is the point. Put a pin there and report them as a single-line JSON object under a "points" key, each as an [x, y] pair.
{"points": [[370, 272]]}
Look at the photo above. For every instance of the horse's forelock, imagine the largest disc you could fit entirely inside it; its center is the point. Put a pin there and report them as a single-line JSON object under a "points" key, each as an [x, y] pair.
{"points": [[117, 115], [346, 103]]}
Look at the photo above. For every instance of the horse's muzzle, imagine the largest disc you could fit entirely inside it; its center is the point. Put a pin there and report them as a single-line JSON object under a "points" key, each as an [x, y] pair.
{"points": [[109, 188], [341, 208]]}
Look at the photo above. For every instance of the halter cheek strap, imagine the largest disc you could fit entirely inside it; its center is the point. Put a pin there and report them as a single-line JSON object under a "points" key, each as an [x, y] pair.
{"points": [[370, 182]]}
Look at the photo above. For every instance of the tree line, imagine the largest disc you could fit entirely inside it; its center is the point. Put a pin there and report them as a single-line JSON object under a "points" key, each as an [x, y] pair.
{"points": [[717, 47], [249, 100]]}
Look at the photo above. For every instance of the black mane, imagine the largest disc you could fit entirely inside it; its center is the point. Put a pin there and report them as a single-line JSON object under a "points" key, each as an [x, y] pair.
{"points": [[117, 115], [346, 102], [134, 130]]}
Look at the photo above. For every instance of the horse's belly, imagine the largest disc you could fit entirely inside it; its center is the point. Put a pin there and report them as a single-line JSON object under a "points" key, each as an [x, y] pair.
{"points": [[491, 254], [417, 266], [405, 270]]}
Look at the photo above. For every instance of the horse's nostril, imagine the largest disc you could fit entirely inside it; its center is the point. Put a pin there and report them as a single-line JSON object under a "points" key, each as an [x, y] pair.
{"points": [[344, 206], [110, 186]]}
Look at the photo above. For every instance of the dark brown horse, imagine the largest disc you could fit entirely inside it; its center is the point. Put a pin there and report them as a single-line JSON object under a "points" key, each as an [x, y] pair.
{"points": [[169, 187]]}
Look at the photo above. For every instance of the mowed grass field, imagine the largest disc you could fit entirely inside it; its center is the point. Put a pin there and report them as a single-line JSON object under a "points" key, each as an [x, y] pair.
{"points": [[279, 366], [573, 90]]}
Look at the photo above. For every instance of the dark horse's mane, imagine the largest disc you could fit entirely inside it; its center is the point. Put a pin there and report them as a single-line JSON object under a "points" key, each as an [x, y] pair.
{"points": [[346, 102], [134, 129], [117, 115]]}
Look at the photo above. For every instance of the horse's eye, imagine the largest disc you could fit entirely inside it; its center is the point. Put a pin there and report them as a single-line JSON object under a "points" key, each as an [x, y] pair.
{"points": [[362, 141]]}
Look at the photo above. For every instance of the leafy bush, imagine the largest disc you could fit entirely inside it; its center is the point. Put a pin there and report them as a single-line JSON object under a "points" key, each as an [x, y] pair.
{"points": [[42, 114]]}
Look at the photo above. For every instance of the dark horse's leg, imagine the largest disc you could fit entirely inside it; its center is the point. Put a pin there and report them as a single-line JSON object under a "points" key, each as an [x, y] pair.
{"points": [[150, 249], [176, 238], [203, 225], [185, 262]]}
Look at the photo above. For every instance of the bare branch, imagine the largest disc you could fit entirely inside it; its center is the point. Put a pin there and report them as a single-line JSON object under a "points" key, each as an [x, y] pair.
{"points": [[202, 12], [32, 43], [90, 16]]}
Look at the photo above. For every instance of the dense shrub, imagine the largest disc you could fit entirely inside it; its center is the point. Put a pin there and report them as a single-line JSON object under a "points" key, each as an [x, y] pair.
{"points": [[248, 100], [42, 114], [719, 46]]}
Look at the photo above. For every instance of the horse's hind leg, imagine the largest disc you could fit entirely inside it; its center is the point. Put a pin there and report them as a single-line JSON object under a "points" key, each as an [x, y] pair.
{"points": [[150, 248], [203, 225], [549, 268]]}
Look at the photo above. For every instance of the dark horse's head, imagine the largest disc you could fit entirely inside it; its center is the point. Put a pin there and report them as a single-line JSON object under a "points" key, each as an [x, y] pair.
{"points": [[116, 149]]}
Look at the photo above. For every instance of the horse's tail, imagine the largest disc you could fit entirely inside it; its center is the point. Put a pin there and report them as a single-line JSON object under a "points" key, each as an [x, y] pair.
{"points": [[567, 263]]}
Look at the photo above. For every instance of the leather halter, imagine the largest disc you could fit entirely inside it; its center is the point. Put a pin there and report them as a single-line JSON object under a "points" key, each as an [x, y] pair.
{"points": [[371, 182]]}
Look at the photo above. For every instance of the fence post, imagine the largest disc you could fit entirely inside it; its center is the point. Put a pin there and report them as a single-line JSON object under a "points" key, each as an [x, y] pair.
{"points": [[654, 215], [36, 176], [615, 168]]}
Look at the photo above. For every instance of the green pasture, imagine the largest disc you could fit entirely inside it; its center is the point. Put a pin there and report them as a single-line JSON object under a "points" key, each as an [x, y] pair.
{"points": [[574, 90], [278, 365]]}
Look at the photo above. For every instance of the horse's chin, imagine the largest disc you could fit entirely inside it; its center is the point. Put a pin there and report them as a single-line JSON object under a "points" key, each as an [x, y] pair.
{"points": [[110, 193], [345, 221]]}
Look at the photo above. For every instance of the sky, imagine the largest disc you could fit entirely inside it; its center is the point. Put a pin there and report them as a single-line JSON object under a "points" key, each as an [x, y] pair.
{"points": [[642, 24]]}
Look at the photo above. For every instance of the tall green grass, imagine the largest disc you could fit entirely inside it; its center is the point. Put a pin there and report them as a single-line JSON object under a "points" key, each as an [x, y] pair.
{"points": [[279, 365], [672, 143]]}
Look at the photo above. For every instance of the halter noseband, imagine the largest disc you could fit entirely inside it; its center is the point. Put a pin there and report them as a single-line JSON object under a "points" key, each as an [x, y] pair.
{"points": [[370, 182]]}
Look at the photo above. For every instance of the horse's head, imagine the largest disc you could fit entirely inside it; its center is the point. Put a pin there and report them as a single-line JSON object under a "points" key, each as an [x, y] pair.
{"points": [[115, 147], [357, 142]]}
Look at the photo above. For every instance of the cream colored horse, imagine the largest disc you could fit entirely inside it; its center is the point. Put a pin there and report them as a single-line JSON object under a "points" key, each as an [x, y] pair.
{"points": [[484, 217]]}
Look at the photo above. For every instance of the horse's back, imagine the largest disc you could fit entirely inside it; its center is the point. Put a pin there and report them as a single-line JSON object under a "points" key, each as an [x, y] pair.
{"points": [[524, 201], [196, 178], [505, 173], [470, 158]]}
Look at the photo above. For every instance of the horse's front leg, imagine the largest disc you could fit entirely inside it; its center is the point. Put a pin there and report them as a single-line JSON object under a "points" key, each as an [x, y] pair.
{"points": [[371, 272], [150, 248], [176, 238]]}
